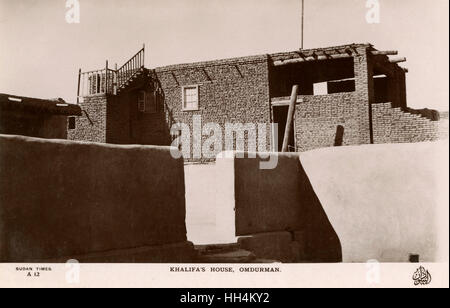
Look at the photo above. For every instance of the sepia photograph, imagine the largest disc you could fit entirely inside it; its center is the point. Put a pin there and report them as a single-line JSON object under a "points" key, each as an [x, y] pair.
{"points": [[214, 143]]}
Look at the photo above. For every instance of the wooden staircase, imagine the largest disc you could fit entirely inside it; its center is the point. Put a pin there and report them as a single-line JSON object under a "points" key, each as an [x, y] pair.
{"points": [[111, 81], [128, 82], [130, 71]]}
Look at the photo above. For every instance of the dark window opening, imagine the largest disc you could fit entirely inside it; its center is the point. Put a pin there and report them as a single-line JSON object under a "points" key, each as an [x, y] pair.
{"points": [[341, 86], [381, 89], [389, 86], [280, 114], [314, 77], [147, 102], [72, 123]]}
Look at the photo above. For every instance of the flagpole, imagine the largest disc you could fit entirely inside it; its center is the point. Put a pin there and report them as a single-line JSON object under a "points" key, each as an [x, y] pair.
{"points": [[303, 24]]}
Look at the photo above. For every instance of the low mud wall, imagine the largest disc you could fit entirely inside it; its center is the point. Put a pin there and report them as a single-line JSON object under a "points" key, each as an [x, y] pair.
{"points": [[268, 203], [386, 202], [60, 199]]}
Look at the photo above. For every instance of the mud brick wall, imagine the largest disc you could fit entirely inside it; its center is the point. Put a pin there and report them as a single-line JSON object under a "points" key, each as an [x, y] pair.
{"points": [[318, 117], [261, 202], [118, 119], [364, 85], [91, 126], [230, 91], [392, 125], [360, 200], [84, 198]]}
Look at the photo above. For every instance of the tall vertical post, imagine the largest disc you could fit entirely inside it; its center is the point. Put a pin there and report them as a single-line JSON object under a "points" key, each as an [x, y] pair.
{"points": [[143, 56], [78, 91], [303, 25], [290, 118], [116, 79], [106, 78]]}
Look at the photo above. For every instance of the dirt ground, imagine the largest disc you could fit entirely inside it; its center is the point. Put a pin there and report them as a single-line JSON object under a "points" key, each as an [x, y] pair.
{"points": [[201, 185]]}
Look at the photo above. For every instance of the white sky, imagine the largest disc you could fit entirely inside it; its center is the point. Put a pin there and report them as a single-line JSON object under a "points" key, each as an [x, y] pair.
{"points": [[40, 53]]}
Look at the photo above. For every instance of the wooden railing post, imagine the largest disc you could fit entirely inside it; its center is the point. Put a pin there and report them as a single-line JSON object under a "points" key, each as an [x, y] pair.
{"points": [[143, 56], [116, 76], [106, 78], [78, 91]]}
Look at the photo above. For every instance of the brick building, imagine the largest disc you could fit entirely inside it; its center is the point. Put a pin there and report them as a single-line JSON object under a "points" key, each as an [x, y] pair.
{"points": [[348, 95]]}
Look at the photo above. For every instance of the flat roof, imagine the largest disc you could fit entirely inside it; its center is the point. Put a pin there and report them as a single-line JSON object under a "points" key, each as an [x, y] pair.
{"points": [[281, 56], [37, 105]]}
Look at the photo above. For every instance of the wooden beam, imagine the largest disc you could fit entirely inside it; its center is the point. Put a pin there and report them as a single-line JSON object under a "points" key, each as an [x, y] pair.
{"points": [[310, 58], [290, 118], [397, 60], [285, 102], [384, 53], [349, 51]]}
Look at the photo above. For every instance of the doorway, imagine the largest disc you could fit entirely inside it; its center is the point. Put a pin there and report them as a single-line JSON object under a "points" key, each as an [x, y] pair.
{"points": [[280, 114]]}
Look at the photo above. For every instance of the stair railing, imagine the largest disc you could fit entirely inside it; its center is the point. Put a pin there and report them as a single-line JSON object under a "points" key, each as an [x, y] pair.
{"points": [[131, 68], [108, 81]]}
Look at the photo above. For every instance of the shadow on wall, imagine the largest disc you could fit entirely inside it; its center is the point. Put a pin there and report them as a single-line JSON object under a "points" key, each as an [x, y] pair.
{"points": [[339, 139], [386, 202], [267, 202], [322, 243], [149, 118]]}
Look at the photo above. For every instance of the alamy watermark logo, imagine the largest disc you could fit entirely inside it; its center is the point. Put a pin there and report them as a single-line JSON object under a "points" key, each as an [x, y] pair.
{"points": [[73, 272], [73, 12], [373, 15], [207, 141]]}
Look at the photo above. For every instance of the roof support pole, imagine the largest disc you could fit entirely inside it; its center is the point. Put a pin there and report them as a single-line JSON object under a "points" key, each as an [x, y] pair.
{"points": [[290, 118]]}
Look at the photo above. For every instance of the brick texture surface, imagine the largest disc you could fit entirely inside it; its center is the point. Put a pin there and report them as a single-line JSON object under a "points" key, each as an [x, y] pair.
{"points": [[229, 92], [318, 117], [91, 126], [392, 125]]}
